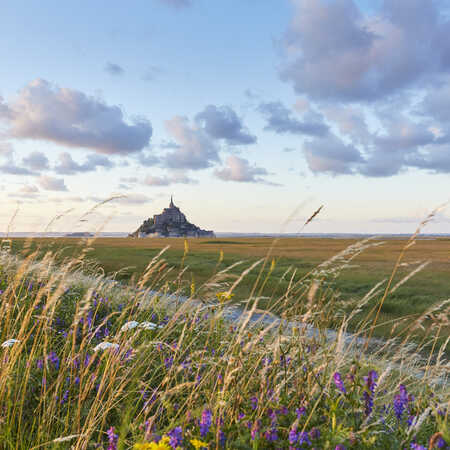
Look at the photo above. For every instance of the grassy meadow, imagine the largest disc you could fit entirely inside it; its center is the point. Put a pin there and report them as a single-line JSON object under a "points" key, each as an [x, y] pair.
{"points": [[352, 277], [92, 364]]}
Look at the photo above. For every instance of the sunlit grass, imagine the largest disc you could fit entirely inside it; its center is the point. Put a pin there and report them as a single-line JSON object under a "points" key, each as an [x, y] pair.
{"points": [[98, 364]]}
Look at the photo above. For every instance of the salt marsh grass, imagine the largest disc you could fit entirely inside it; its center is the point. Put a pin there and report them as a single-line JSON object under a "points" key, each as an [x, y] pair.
{"points": [[90, 363]]}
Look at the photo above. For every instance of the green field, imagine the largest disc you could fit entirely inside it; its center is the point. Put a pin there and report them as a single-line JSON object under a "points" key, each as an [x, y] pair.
{"points": [[291, 261]]}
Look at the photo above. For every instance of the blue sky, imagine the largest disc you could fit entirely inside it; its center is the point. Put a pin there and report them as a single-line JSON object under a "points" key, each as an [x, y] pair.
{"points": [[246, 111]]}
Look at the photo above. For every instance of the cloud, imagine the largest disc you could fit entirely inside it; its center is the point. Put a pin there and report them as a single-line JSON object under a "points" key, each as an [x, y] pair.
{"points": [[26, 192], [114, 69], [239, 169], [175, 178], [71, 118], [133, 199], [350, 121], [223, 123], [196, 149], [67, 166], [52, 184], [147, 159], [335, 51], [129, 179], [280, 120], [36, 161], [152, 180], [168, 144], [28, 189], [177, 3], [11, 169], [331, 155]]}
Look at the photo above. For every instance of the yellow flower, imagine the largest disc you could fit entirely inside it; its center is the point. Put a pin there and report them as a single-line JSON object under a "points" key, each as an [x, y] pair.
{"points": [[198, 444], [192, 287], [224, 296], [163, 444]]}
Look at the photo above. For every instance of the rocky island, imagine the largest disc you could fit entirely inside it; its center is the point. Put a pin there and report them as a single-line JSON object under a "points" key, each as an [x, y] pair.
{"points": [[170, 223]]}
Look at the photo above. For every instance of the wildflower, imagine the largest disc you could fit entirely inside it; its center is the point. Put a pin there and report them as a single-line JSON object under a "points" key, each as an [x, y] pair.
{"points": [[53, 358], [303, 438], [224, 296], [300, 412], [129, 325], [417, 446], [254, 429], [163, 444], [198, 444], [10, 343], [293, 436], [222, 438], [339, 383], [254, 402], [400, 401], [148, 325], [105, 345], [176, 437], [314, 433], [112, 439], [205, 422], [339, 447], [271, 435], [369, 391]]}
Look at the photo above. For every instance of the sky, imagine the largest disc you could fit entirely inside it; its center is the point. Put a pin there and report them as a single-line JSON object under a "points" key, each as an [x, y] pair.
{"points": [[251, 113]]}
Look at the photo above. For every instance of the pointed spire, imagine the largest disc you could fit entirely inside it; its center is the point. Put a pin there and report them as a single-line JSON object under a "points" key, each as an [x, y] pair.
{"points": [[171, 205]]}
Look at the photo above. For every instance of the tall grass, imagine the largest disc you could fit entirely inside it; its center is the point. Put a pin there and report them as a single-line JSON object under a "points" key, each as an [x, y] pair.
{"points": [[89, 363]]}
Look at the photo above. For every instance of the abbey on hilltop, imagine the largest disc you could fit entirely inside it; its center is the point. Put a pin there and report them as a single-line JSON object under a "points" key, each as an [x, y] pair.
{"points": [[170, 223]]}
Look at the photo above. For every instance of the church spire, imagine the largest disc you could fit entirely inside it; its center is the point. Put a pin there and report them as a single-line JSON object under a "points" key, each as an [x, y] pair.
{"points": [[171, 202]]}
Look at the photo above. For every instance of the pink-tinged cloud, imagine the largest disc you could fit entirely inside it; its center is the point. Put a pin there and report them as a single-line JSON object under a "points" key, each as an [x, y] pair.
{"points": [[71, 118], [239, 169], [336, 51], [196, 150], [52, 184]]}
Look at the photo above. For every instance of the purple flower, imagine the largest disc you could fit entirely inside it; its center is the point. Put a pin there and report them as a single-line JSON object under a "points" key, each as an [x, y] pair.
{"points": [[417, 446], [339, 447], [255, 429], [176, 437], [112, 439], [339, 383], [271, 434], [369, 391], [222, 438], [440, 443], [206, 421], [53, 358], [168, 362], [293, 436], [303, 438], [65, 397], [300, 412], [400, 401], [254, 402], [314, 433]]}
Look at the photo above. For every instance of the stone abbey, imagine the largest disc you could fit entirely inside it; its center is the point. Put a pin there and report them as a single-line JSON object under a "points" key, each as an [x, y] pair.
{"points": [[170, 223]]}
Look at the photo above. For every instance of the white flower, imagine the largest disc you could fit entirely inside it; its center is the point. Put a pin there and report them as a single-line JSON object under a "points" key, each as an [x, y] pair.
{"points": [[129, 325], [9, 343], [105, 345], [150, 326]]}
